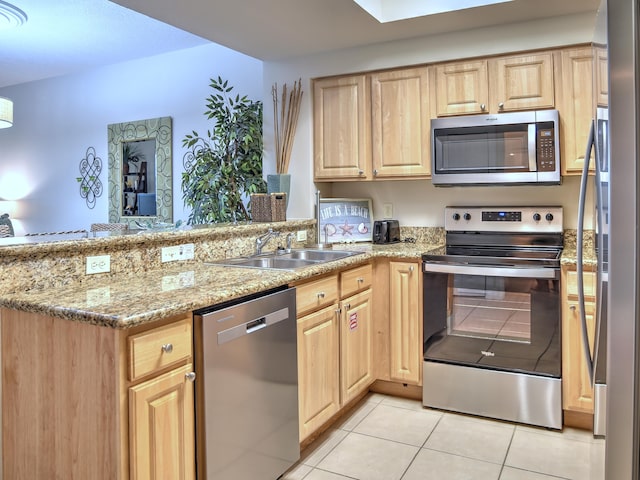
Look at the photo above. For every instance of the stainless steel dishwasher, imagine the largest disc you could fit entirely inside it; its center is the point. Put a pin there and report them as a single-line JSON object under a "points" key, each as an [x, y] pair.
{"points": [[247, 387]]}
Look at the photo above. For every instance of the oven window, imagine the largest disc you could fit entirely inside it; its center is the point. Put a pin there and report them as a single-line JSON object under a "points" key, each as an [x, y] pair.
{"points": [[482, 150], [490, 307]]}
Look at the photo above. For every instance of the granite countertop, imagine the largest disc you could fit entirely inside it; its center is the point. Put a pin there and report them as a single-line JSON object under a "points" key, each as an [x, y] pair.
{"points": [[179, 289]]}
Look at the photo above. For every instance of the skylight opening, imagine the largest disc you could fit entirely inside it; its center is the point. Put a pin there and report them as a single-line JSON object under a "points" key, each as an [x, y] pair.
{"points": [[392, 10]]}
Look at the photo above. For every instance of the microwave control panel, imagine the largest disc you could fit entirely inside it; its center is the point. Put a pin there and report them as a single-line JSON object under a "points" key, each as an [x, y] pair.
{"points": [[545, 147]]}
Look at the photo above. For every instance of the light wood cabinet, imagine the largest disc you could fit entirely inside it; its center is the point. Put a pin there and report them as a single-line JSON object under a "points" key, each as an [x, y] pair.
{"points": [[501, 84], [342, 128], [335, 358], [70, 409], [602, 77], [318, 368], [161, 408], [372, 126], [161, 427], [405, 322], [462, 88], [577, 392], [400, 116], [577, 108], [356, 359]]}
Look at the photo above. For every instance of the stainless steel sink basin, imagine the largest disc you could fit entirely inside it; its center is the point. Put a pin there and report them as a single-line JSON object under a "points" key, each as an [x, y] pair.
{"points": [[290, 260]]}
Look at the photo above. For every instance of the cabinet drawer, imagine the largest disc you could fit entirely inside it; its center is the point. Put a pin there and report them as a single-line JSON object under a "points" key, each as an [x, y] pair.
{"points": [[589, 284], [317, 294], [158, 348], [356, 279]]}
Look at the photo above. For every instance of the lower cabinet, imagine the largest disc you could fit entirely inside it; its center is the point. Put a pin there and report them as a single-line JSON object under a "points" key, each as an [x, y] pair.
{"points": [[99, 403], [318, 368], [161, 428], [335, 361], [405, 322], [356, 366], [577, 392]]}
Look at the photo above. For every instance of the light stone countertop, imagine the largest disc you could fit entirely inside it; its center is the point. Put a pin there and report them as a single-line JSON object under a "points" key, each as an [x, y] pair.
{"points": [[179, 289]]}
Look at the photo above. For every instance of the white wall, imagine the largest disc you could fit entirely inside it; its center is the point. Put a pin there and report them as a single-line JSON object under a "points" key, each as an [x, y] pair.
{"points": [[56, 120], [417, 203]]}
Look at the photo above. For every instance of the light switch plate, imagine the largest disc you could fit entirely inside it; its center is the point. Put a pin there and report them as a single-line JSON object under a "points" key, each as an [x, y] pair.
{"points": [[387, 210], [301, 235]]}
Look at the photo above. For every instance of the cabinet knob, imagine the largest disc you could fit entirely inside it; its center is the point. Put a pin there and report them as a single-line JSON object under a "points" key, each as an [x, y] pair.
{"points": [[348, 306], [501, 106], [191, 376], [360, 172], [167, 348], [411, 268], [572, 308], [320, 294], [360, 279], [375, 172], [483, 107]]}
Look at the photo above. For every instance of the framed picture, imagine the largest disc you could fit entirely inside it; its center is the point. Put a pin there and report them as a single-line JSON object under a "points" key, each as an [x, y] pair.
{"points": [[345, 220]]}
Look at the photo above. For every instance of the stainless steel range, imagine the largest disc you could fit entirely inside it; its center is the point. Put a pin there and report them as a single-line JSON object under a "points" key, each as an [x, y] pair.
{"points": [[492, 315]]}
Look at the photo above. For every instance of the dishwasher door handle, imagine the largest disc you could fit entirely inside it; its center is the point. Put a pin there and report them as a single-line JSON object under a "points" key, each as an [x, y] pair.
{"points": [[252, 326]]}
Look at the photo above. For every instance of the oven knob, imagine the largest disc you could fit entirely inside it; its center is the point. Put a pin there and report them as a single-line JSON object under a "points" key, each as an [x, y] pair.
{"points": [[548, 217], [536, 217], [456, 216], [467, 216]]}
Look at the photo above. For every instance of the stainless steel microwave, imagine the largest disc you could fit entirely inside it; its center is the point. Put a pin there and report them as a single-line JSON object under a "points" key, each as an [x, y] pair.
{"points": [[506, 148]]}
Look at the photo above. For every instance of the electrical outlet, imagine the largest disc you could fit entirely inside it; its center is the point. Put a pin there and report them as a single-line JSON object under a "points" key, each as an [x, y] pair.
{"points": [[301, 236], [98, 264], [178, 252], [387, 210], [98, 296]]}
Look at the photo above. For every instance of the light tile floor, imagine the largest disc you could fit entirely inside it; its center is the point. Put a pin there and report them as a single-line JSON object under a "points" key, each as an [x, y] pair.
{"points": [[389, 438]]}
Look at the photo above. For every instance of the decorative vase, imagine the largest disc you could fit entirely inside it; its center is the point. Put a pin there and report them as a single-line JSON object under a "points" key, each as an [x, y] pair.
{"points": [[279, 183]]}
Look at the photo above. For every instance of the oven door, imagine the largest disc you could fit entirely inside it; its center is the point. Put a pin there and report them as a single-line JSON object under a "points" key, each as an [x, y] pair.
{"points": [[501, 318]]}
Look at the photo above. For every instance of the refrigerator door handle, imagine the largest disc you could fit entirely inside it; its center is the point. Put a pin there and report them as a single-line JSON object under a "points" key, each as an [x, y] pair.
{"points": [[579, 241]]}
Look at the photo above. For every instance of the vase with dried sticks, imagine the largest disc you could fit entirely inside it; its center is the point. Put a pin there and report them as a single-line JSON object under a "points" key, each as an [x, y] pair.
{"points": [[286, 109]]}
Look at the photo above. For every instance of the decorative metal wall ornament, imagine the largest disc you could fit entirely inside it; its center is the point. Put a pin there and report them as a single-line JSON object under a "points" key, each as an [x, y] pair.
{"points": [[90, 184]]}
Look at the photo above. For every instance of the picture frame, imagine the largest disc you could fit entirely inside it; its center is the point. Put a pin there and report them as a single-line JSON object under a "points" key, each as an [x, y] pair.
{"points": [[346, 220]]}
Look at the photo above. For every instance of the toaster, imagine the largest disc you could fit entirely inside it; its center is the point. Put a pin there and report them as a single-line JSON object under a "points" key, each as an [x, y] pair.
{"points": [[386, 231]]}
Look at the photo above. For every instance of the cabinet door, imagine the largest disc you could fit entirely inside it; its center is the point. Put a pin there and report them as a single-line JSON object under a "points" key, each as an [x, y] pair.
{"points": [[342, 125], [318, 369], [577, 392], [400, 123], [462, 88], [521, 82], [161, 427], [602, 77], [356, 368], [405, 323], [577, 107]]}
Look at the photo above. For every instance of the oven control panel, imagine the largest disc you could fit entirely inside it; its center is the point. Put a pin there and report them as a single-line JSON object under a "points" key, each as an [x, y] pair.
{"points": [[504, 219]]}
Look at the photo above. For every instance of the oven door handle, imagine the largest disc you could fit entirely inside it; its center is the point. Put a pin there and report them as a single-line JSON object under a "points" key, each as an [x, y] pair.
{"points": [[543, 273]]}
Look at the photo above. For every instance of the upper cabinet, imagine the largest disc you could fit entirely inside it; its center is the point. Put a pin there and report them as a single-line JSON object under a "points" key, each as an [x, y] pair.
{"points": [[400, 123], [372, 126], [576, 82], [376, 125], [501, 84], [342, 126]]}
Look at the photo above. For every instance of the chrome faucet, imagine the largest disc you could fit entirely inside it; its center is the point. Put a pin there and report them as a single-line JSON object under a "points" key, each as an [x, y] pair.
{"points": [[262, 240], [290, 237]]}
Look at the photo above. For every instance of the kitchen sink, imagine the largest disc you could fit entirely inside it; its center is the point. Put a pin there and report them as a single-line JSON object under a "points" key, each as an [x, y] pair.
{"points": [[286, 260]]}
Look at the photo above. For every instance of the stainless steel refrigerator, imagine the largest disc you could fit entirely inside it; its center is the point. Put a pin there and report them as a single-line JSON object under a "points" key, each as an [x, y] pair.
{"points": [[623, 326]]}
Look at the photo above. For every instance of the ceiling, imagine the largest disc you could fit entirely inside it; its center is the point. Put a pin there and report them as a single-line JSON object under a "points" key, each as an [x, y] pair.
{"points": [[67, 36]]}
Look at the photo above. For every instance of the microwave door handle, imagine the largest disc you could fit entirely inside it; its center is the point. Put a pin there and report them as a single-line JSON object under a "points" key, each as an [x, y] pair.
{"points": [[532, 147], [579, 256]]}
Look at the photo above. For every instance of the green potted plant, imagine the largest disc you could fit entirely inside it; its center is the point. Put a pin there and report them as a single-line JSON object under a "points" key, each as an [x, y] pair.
{"points": [[224, 168]]}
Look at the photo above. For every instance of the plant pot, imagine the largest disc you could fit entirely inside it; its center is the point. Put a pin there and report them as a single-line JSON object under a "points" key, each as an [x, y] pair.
{"points": [[279, 183]]}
